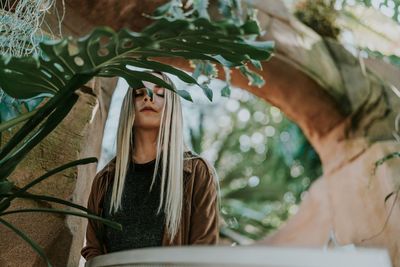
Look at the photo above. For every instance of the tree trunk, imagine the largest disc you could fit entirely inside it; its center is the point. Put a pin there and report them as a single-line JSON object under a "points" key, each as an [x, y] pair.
{"points": [[342, 105]]}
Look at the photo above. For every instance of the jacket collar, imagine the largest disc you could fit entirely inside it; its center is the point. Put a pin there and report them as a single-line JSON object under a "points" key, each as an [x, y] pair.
{"points": [[187, 162]]}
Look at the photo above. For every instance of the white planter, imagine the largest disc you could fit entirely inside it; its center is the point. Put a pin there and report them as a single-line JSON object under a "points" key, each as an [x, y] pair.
{"points": [[249, 256]]}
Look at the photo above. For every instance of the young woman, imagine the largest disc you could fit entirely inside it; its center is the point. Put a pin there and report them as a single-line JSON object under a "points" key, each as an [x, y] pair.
{"points": [[161, 194]]}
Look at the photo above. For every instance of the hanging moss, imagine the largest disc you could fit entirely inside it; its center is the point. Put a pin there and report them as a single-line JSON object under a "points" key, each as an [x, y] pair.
{"points": [[20, 26]]}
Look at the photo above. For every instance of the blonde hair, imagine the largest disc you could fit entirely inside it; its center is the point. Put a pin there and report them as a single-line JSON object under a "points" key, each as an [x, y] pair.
{"points": [[170, 150]]}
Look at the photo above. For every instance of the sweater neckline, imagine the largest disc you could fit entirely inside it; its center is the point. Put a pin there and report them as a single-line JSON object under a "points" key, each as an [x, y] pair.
{"points": [[147, 166]]}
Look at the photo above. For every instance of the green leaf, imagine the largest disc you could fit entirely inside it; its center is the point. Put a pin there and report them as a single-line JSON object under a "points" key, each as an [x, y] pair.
{"points": [[112, 224], [144, 76], [62, 99], [225, 8], [201, 7], [8, 163], [198, 46], [185, 95], [4, 204], [132, 81], [198, 69], [173, 26], [50, 199], [256, 63], [395, 60], [210, 70], [207, 91], [154, 65], [149, 92], [251, 27], [386, 158], [163, 9], [172, 9], [5, 186], [204, 67], [32, 243], [226, 62], [266, 46], [254, 78], [65, 65], [105, 52], [19, 119], [181, 54], [226, 91], [52, 172]]}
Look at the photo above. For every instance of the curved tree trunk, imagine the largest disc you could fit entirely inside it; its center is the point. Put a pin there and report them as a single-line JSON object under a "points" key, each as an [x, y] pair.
{"points": [[345, 110]]}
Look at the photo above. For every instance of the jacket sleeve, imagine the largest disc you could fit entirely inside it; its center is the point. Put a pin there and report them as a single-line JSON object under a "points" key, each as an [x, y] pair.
{"points": [[204, 229], [93, 245]]}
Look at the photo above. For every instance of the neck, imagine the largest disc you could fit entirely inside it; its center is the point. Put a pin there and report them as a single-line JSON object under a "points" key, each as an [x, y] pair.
{"points": [[145, 145]]}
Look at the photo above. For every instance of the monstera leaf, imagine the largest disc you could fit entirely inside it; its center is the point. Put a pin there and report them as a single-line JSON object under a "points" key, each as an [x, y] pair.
{"points": [[66, 65], [107, 53], [63, 66]]}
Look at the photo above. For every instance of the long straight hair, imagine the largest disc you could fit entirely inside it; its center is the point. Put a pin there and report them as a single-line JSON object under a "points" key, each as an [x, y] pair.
{"points": [[170, 150]]}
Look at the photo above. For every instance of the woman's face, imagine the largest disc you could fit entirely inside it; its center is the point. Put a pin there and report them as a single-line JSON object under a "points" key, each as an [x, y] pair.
{"points": [[148, 110]]}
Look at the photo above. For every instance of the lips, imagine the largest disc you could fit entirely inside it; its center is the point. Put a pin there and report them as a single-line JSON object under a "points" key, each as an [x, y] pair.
{"points": [[148, 109]]}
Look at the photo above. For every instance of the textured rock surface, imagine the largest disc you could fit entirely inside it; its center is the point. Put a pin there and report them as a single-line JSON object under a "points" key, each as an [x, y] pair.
{"points": [[91, 147], [48, 230], [344, 109]]}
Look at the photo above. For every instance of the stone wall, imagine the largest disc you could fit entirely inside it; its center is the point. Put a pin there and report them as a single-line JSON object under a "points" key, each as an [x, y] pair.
{"points": [[48, 230], [348, 119]]}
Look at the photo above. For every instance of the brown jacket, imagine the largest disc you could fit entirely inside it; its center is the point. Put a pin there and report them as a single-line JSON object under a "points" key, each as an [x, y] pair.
{"points": [[199, 221]]}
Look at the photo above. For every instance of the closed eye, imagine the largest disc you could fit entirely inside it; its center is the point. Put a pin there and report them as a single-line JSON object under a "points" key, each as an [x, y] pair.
{"points": [[139, 92]]}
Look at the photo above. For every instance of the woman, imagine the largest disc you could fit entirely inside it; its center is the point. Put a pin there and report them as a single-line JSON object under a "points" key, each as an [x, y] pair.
{"points": [[161, 194]]}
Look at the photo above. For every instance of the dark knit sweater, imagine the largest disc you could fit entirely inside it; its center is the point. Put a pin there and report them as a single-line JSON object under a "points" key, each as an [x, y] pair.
{"points": [[142, 226]]}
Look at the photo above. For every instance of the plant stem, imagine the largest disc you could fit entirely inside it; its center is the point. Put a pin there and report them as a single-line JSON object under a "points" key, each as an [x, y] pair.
{"points": [[8, 124]]}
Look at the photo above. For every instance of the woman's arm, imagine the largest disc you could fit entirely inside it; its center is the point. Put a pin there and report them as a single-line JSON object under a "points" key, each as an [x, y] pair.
{"points": [[204, 227], [93, 245]]}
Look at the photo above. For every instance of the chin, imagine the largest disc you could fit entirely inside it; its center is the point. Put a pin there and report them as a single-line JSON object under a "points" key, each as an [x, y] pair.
{"points": [[148, 126]]}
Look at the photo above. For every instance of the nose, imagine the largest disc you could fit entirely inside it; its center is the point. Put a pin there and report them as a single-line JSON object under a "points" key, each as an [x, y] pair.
{"points": [[147, 98]]}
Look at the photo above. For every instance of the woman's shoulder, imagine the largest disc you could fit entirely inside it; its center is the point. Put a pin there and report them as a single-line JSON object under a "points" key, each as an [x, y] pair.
{"points": [[199, 164], [203, 178], [103, 174], [99, 185], [193, 158]]}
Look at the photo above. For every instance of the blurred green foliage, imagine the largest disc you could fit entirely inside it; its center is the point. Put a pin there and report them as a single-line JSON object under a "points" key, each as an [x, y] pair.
{"points": [[392, 59], [263, 160], [389, 7]]}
